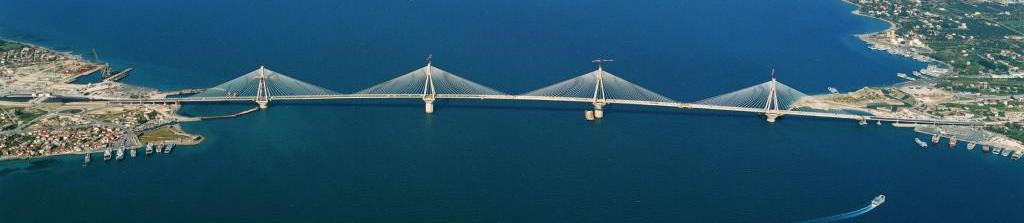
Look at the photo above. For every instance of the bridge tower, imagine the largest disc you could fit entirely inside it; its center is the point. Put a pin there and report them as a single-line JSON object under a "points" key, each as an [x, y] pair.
{"points": [[262, 92], [429, 92], [771, 106], [600, 99]]}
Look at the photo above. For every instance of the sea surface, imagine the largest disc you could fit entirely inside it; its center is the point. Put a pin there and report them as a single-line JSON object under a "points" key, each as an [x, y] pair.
{"points": [[498, 161]]}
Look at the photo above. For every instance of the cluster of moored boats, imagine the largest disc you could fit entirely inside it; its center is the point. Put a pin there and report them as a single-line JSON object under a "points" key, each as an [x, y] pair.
{"points": [[1013, 154], [118, 154]]}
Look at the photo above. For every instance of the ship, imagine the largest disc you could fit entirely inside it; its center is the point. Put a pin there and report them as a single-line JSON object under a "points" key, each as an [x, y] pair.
{"points": [[149, 149], [106, 154], [920, 143], [970, 146], [952, 142], [878, 123], [1006, 152], [1017, 154], [997, 150], [984, 148], [169, 148], [878, 201], [88, 159], [936, 138], [159, 148], [833, 90], [120, 154], [131, 152]]}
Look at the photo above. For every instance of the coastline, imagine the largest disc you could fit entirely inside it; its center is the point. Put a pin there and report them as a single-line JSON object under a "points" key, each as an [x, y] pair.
{"points": [[172, 114]]}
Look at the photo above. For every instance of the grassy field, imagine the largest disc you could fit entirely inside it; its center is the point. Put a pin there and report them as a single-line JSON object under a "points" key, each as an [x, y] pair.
{"points": [[5, 45], [166, 133]]}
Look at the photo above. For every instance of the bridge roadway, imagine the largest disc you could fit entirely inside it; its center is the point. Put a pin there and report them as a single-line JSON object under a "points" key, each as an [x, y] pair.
{"points": [[680, 105]]}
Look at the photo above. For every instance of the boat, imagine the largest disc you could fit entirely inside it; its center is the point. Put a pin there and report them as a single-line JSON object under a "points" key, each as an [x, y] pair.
{"points": [[970, 146], [833, 90], [106, 154], [159, 148], [878, 123], [1017, 154], [984, 148], [88, 159], [169, 148], [921, 143], [131, 152], [878, 200], [149, 149], [936, 138], [120, 154], [952, 142], [997, 150], [1006, 152]]}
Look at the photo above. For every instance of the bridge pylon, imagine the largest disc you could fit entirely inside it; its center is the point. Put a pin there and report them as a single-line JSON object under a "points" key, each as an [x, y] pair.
{"points": [[429, 91], [771, 106], [262, 92], [600, 99]]}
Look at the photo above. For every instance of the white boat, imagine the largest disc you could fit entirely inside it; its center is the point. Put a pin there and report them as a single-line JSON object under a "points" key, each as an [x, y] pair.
{"points": [[131, 152], [120, 154], [1006, 152], [878, 200], [970, 146], [1017, 154], [921, 143], [88, 159], [904, 76], [149, 149], [106, 154], [159, 149], [833, 90]]}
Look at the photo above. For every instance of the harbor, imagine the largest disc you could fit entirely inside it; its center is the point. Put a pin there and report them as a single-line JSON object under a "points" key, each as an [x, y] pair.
{"points": [[991, 144], [119, 154]]}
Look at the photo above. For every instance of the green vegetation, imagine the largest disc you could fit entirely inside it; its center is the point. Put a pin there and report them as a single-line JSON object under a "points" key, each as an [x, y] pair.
{"points": [[990, 86], [166, 133], [974, 37], [26, 115], [7, 45], [1012, 130]]}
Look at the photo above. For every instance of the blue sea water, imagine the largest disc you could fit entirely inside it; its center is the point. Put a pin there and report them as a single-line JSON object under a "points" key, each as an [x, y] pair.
{"points": [[368, 161]]}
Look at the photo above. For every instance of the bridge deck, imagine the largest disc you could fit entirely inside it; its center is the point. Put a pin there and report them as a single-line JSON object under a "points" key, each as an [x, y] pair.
{"points": [[681, 105]]}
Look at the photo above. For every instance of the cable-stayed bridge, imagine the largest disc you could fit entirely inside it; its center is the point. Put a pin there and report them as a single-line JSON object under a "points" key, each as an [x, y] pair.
{"points": [[599, 88]]}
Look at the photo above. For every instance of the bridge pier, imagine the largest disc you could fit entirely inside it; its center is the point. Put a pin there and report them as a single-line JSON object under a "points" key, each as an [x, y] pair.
{"points": [[262, 104], [428, 105], [598, 110], [770, 117]]}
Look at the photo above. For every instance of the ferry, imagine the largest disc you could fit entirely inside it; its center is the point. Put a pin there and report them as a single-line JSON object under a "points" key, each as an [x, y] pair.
{"points": [[936, 138], [878, 201], [920, 143], [149, 149], [88, 159], [970, 146], [984, 148], [120, 154], [952, 142], [106, 154]]}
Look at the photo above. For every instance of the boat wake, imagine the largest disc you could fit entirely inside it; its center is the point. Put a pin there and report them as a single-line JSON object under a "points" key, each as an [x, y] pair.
{"points": [[852, 214]]}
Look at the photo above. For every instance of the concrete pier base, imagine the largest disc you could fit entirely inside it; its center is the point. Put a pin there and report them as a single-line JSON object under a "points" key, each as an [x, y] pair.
{"points": [[598, 110], [770, 117], [262, 104], [428, 105]]}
